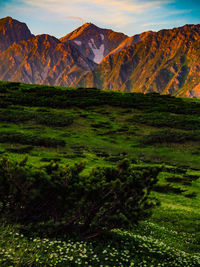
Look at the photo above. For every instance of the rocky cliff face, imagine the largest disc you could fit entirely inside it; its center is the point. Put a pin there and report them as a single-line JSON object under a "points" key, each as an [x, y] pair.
{"points": [[130, 41], [12, 31], [166, 62], [93, 42], [43, 60]]}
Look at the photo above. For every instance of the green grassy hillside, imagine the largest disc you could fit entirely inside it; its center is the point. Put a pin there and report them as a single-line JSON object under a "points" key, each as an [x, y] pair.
{"points": [[102, 127]]}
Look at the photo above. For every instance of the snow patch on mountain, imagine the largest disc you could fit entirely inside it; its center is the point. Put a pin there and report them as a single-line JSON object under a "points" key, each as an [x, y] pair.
{"points": [[98, 52], [102, 37], [78, 42]]}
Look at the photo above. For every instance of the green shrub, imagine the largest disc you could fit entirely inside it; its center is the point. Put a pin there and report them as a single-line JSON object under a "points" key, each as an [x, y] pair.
{"points": [[166, 119], [171, 136], [49, 96], [107, 198], [53, 119], [29, 139], [16, 116], [43, 117], [102, 124], [20, 149], [167, 189]]}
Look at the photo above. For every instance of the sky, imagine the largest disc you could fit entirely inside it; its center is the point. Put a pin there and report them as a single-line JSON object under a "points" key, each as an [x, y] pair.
{"points": [[59, 17]]}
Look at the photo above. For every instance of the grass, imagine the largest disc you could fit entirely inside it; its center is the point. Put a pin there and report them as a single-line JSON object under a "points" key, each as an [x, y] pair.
{"points": [[100, 135], [120, 247]]}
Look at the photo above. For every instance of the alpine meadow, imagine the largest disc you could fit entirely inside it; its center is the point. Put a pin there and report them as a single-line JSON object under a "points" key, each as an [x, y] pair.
{"points": [[100, 134]]}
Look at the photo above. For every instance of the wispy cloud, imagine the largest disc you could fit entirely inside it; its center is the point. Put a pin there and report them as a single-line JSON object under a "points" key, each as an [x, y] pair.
{"points": [[169, 24], [137, 6], [129, 16], [103, 11], [155, 23], [76, 18], [179, 12]]}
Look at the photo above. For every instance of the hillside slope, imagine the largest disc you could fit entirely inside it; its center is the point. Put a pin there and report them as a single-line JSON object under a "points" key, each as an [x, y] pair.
{"points": [[54, 125]]}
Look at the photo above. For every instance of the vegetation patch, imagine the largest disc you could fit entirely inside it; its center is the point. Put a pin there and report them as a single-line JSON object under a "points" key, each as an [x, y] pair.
{"points": [[29, 139], [44, 118], [125, 249], [20, 149], [171, 136], [34, 121], [157, 119], [168, 189], [105, 199], [102, 124]]}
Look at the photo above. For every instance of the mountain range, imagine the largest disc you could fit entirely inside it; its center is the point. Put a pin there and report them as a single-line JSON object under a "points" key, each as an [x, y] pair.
{"points": [[167, 62]]}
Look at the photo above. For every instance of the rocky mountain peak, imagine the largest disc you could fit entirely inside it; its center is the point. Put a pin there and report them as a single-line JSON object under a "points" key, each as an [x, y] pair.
{"points": [[94, 42], [11, 31], [88, 25], [5, 20], [81, 32]]}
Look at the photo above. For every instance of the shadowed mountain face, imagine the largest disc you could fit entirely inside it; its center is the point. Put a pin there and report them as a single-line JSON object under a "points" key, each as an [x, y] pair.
{"points": [[167, 61], [12, 31], [94, 42]]}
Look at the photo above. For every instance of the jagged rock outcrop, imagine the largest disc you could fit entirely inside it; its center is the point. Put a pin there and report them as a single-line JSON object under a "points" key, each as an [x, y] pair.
{"points": [[11, 31]]}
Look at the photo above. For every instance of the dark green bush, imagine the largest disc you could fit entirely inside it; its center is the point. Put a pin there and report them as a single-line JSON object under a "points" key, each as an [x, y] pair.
{"points": [[10, 85], [49, 96], [44, 117], [171, 136], [20, 149], [159, 119], [105, 199], [114, 158], [29, 139], [11, 115], [102, 124], [3, 89], [53, 119], [167, 189]]}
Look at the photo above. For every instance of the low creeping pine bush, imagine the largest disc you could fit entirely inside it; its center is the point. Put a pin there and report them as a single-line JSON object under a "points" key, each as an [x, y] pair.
{"points": [[170, 136], [109, 197], [29, 139]]}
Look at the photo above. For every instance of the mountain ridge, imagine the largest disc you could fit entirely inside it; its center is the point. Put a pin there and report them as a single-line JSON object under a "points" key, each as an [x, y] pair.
{"points": [[166, 61], [160, 63]]}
